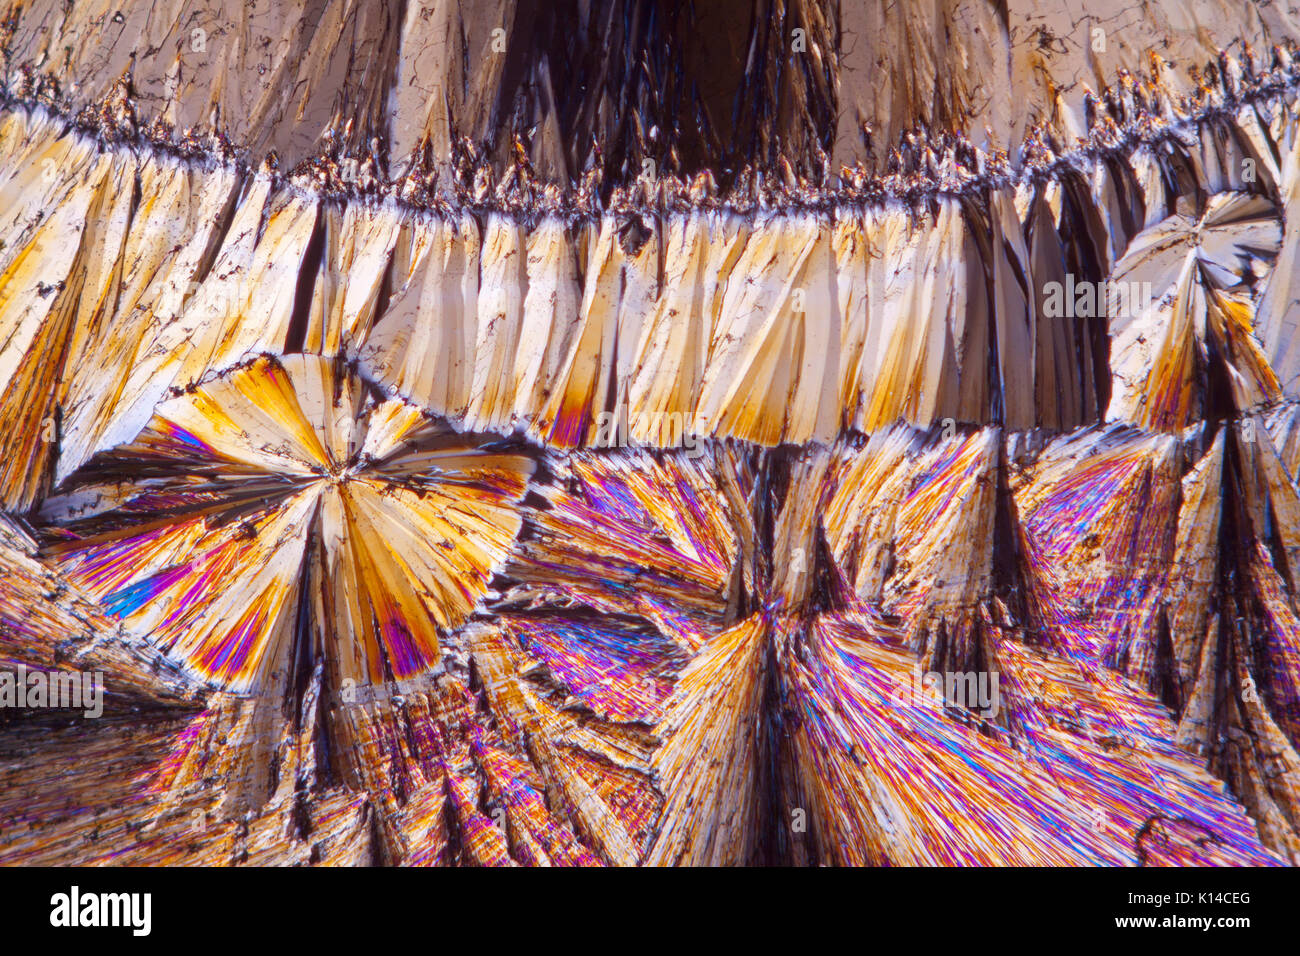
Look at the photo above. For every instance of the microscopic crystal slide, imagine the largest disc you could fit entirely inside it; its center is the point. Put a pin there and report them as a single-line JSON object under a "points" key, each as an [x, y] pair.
{"points": [[741, 433]]}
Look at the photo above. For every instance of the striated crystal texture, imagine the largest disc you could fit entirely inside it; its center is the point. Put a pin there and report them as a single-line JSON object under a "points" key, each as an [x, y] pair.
{"points": [[635, 433]]}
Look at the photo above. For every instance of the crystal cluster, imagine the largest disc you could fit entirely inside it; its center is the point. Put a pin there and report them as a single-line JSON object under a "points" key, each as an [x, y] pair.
{"points": [[747, 436]]}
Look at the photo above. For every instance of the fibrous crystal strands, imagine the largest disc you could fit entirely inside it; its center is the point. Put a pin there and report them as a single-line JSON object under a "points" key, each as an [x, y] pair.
{"points": [[468, 474]]}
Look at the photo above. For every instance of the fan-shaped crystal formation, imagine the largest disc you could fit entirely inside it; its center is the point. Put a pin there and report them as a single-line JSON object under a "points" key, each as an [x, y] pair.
{"points": [[281, 501]]}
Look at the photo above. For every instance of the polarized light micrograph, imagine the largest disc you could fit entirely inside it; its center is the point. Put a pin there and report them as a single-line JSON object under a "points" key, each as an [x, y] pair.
{"points": [[756, 432]]}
